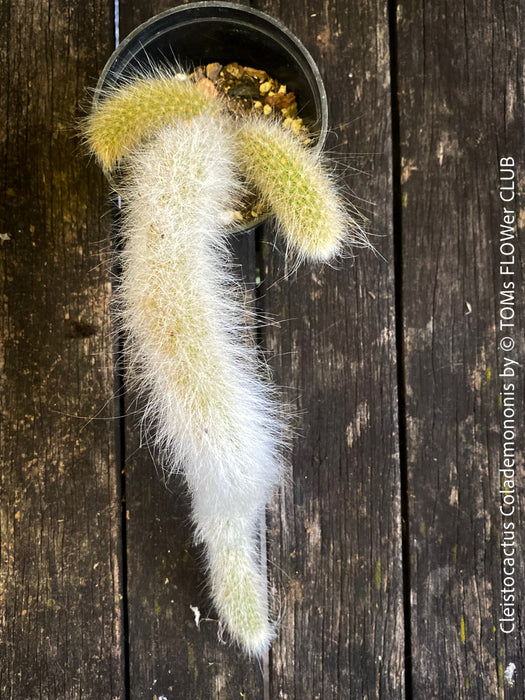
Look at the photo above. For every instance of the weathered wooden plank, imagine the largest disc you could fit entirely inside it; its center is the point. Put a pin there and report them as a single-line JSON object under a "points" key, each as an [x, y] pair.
{"points": [[172, 653], [169, 655], [461, 111], [59, 517], [334, 543]]}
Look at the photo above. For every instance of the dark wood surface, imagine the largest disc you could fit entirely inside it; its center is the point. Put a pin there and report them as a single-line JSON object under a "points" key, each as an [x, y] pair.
{"points": [[334, 541], [60, 541], [384, 545], [461, 110]]}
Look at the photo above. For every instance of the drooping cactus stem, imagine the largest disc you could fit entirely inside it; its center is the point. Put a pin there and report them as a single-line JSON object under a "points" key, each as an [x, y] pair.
{"points": [[294, 184], [213, 415]]}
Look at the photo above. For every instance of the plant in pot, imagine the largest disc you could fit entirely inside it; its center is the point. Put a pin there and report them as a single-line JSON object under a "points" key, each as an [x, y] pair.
{"points": [[182, 161]]}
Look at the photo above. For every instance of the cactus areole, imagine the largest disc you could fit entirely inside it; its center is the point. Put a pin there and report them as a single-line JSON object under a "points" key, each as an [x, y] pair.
{"points": [[183, 159]]}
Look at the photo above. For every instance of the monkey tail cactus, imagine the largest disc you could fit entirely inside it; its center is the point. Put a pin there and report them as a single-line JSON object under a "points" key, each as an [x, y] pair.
{"points": [[181, 158], [131, 112]]}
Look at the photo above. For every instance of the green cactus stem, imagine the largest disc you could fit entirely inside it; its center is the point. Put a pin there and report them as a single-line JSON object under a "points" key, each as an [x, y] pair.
{"points": [[294, 184]]}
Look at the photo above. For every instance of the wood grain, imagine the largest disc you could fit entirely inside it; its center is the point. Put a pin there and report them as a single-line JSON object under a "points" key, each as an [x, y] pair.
{"points": [[340, 576], [60, 586], [169, 654], [83, 618], [334, 542], [461, 109]]}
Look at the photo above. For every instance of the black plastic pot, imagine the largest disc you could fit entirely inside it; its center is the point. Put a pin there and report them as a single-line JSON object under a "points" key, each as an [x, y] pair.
{"points": [[204, 32]]}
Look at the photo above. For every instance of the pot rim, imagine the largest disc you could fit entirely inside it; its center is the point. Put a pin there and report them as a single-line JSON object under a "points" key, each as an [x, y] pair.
{"points": [[105, 75]]}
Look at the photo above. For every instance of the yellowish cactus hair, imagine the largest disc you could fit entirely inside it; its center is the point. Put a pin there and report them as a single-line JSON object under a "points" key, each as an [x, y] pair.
{"points": [[127, 114], [294, 184], [213, 415]]}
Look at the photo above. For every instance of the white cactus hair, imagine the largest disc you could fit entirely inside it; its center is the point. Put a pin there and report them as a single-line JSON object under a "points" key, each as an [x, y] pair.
{"points": [[181, 309], [188, 346]]}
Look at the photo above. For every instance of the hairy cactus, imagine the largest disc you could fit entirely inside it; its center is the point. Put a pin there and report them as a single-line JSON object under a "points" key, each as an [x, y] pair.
{"points": [[181, 158]]}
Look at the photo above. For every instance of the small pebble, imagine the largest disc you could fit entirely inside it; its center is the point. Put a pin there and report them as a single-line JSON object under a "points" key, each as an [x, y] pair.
{"points": [[280, 100], [213, 70], [234, 69], [259, 75], [207, 86], [199, 74], [244, 89]]}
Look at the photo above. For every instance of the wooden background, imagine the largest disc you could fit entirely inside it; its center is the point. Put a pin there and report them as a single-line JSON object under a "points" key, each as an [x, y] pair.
{"points": [[384, 550]]}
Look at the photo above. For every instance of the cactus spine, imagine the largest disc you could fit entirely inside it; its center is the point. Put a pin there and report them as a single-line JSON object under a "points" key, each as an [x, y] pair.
{"points": [[293, 183]]}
